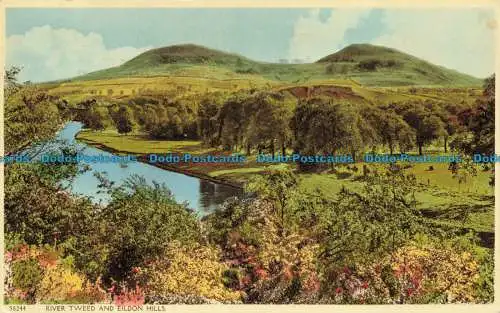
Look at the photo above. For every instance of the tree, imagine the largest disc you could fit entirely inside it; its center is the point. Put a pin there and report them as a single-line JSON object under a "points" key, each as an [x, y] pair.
{"points": [[321, 126], [208, 119], [489, 87], [49, 213], [427, 126], [139, 223], [451, 127], [262, 128], [369, 224], [11, 83], [480, 123], [123, 121], [31, 115], [432, 128], [392, 129], [231, 122], [277, 187], [90, 117], [369, 65], [282, 115]]}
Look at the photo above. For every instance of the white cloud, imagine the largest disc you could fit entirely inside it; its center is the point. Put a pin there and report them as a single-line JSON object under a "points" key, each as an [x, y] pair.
{"points": [[313, 39], [461, 39], [47, 54]]}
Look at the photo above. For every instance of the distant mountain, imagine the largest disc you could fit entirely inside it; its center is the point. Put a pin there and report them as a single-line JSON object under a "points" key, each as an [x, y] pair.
{"points": [[359, 52], [371, 58], [187, 54], [367, 64]]}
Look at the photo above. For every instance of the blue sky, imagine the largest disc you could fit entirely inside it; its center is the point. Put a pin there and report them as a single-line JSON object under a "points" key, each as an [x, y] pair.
{"points": [[58, 43]]}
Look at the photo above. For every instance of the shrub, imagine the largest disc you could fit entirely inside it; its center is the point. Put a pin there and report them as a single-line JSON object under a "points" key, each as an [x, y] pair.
{"points": [[91, 293], [429, 274], [369, 65], [26, 275], [139, 223], [412, 274], [129, 297], [59, 284], [183, 270]]}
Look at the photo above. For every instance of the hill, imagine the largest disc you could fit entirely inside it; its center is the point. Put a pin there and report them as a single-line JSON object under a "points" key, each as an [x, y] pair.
{"points": [[187, 54], [366, 64], [397, 65], [358, 52]]}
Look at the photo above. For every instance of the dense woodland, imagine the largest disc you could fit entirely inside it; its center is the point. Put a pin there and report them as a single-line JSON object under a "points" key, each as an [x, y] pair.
{"points": [[281, 246]]}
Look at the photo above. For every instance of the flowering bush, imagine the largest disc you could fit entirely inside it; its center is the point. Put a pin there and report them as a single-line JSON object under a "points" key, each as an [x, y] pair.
{"points": [[129, 297], [26, 275], [429, 274], [39, 274], [185, 270], [411, 274], [59, 284], [91, 293]]}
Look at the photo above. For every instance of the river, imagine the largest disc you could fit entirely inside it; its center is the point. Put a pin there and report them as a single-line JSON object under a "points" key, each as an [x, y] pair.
{"points": [[200, 195]]}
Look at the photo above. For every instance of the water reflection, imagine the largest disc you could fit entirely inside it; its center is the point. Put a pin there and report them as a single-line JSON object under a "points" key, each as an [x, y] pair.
{"points": [[213, 195]]}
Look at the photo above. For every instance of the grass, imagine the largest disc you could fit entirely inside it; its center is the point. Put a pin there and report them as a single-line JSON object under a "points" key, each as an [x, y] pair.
{"points": [[124, 87], [140, 144], [445, 205]]}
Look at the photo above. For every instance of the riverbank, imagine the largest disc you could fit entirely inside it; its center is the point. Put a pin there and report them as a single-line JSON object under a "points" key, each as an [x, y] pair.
{"points": [[182, 169]]}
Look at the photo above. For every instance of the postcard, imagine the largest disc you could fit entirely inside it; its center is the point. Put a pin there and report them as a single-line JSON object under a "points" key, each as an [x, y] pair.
{"points": [[219, 156]]}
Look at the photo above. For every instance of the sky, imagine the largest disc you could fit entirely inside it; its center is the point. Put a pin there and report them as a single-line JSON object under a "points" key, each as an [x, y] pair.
{"points": [[53, 44]]}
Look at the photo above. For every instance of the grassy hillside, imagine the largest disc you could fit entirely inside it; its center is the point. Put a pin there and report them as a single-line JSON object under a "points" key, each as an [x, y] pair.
{"points": [[366, 64], [388, 66], [188, 53]]}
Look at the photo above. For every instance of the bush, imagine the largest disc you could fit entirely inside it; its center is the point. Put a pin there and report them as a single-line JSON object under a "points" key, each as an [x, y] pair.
{"points": [[412, 274], [369, 65], [439, 275], [59, 284], [26, 275], [90, 294], [139, 223], [183, 271], [131, 297], [249, 70]]}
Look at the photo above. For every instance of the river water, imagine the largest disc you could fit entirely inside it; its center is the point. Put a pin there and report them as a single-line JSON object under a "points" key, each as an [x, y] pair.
{"points": [[201, 195]]}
